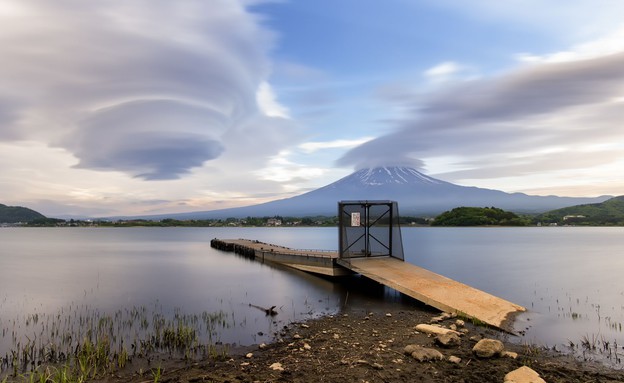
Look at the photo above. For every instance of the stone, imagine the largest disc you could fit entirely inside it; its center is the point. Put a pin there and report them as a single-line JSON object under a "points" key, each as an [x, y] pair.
{"points": [[307, 346], [523, 374], [435, 330], [262, 346], [249, 355], [454, 359], [448, 340], [297, 336], [510, 354], [389, 314], [440, 318], [488, 348], [276, 367], [410, 348], [424, 354], [460, 323]]}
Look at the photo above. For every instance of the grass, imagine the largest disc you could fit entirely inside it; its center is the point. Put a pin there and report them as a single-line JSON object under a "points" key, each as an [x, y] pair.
{"points": [[85, 344]]}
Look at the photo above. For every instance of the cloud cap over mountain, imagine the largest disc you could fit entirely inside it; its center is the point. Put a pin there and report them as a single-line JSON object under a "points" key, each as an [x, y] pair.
{"points": [[539, 116]]}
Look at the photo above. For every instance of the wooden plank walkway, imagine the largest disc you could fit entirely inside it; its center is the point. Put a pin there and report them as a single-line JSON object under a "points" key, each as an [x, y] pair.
{"points": [[313, 261], [436, 290], [428, 287]]}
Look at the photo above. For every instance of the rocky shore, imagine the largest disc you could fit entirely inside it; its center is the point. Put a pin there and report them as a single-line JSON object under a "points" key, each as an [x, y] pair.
{"points": [[398, 346]]}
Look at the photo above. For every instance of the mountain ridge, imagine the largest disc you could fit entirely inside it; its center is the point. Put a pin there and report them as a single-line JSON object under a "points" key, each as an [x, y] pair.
{"points": [[416, 193]]}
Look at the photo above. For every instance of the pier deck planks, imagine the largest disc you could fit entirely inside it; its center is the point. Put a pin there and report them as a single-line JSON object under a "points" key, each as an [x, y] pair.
{"points": [[436, 290]]}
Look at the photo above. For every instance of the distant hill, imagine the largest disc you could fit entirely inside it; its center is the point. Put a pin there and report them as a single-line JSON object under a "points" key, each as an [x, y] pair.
{"points": [[609, 212], [416, 193], [15, 214], [479, 216]]}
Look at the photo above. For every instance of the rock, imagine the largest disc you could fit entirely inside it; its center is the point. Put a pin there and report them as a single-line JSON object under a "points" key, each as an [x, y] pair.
{"points": [[303, 325], [389, 314], [307, 346], [423, 354], [377, 366], [510, 354], [488, 348], [296, 336], [249, 355], [435, 330], [453, 327], [276, 367], [410, 348], [454, 359], [448, 340], [460, 323], [523, 374], [262, 346], [440, 318]]}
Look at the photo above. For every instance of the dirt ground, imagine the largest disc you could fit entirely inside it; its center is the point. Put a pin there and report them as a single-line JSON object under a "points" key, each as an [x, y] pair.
{"points": [[368, 347]]}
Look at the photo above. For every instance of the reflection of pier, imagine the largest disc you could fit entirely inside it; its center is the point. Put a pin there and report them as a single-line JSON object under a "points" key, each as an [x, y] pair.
{"points": [[370, 245]]}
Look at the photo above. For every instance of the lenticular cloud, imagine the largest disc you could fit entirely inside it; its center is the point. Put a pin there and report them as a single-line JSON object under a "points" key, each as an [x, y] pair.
{"points": [[148, 88]]}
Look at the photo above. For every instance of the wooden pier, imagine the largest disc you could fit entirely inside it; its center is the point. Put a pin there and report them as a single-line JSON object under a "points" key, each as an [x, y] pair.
{"points": [[428, 287]]}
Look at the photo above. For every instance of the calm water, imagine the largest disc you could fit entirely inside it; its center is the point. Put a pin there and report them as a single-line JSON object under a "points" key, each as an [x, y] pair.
{"points": [[569, 278]]}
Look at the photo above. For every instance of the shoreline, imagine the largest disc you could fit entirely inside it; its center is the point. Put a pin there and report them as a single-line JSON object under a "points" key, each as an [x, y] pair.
{"points": [[360, 346]]}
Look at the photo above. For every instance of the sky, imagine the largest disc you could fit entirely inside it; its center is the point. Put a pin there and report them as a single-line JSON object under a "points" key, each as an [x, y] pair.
{"points": [[135, 107]]}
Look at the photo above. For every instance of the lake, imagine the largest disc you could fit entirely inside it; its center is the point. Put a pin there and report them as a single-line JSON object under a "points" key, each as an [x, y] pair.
{"points": [[569, 278]]}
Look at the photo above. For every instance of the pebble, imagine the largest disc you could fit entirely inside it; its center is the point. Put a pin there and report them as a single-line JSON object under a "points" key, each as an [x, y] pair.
{"points": [[249, 355], [276, 366]]}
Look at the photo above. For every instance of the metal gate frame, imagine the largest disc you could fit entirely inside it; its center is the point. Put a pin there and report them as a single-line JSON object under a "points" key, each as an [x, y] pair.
{"points": [[373, 225]]}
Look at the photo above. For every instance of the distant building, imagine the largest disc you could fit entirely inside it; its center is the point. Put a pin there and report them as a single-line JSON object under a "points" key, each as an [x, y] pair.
{"points": [[567, 217], [274, 222]]}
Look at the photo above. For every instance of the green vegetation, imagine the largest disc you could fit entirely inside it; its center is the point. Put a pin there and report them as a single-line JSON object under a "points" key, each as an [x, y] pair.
{"points": [[607, 213], [80, 344], [479, 216], [15, 214]]}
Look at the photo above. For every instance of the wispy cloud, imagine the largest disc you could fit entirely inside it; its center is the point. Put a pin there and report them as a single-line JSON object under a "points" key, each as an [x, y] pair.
{"points": [[311, 147]]}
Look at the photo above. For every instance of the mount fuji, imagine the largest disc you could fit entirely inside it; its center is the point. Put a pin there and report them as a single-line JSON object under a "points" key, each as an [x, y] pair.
{"points": [[416, 194]]}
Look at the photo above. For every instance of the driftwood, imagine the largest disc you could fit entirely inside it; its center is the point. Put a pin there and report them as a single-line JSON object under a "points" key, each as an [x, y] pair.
{"points": [[270, 311]]}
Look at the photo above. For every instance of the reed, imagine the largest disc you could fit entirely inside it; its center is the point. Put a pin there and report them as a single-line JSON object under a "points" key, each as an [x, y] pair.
{"points": [[81, 343]]}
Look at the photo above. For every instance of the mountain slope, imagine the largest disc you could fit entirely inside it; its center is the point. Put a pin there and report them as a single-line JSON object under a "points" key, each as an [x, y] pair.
{"points": [[416, 193], [14, 214]]}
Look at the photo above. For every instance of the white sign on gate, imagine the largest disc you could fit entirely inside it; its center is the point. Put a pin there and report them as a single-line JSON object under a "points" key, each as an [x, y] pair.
{"points": [[355, 219]]}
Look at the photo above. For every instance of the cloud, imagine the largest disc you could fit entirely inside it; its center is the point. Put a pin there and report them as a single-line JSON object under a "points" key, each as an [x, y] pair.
{"points": [[147, 88], [489, 123], [268, 103], [311, 147], [443, 71]]}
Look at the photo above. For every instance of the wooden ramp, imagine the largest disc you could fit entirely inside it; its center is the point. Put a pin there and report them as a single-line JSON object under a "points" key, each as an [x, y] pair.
{"points": [[436, 290]]}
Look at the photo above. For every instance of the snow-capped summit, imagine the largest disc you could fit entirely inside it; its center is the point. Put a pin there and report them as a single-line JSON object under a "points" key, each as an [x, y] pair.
{"points": [[390, 175]]}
